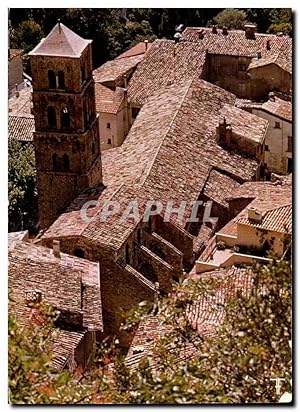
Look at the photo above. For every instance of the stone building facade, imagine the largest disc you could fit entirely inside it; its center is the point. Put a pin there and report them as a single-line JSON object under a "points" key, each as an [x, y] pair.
{"points": [[15, 68], [66, 137]]}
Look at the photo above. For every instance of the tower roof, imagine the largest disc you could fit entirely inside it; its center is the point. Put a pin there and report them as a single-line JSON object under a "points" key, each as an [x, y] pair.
{"points": [[61, 41]]}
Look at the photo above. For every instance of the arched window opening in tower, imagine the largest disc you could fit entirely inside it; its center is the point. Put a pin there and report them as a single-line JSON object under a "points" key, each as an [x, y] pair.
{"points": [[51, 117], [66, 163], [54, 162], [51, 79], [65, 118], [61, 80]]}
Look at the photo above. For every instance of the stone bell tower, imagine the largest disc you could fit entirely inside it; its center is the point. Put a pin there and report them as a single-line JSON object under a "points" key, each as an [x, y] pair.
{"points": [[66, 138]]}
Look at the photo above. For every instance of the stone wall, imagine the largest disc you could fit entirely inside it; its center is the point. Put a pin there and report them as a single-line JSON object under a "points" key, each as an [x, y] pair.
{"points": [[15, 71]]}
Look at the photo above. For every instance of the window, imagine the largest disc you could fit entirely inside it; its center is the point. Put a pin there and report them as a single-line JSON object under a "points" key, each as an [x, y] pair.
{"points": [[135, 112], [290, 144], [242, 67], [54, 162], [51, 117], [61, 80], [108, 125], [65, 118], [277, 125], [66, 163], [51, 79], [108, 141], [79, 253]]}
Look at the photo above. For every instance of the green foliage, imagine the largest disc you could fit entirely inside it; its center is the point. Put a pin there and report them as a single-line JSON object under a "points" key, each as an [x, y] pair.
{"points": [[234, 367], [26, 36], [231, 18], [30, 377], [22, 193]]}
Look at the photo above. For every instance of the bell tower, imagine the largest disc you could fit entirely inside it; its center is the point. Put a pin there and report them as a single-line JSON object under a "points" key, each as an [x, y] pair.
{"points": [[66, 137]]}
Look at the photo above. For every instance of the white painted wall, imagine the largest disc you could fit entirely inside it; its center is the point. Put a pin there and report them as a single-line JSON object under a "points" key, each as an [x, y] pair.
{"points": [[277, 156]]}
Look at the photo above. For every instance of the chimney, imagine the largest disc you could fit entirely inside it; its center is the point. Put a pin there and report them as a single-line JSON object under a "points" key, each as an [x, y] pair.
{"points": [[221, 132], [250, 31], [254, 214], [225, 30], [259, 55], [59, 28], [146, 45], [214, 29], [228, 135], [56, 248], [177, 37], [268, 45]]}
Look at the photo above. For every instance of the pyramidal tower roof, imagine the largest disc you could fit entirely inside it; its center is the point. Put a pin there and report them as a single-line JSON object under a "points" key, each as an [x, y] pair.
{"points": [[61, 41]]}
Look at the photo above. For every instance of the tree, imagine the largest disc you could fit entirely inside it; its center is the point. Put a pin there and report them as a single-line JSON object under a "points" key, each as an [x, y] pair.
{"points": [[238, 365], [30, 376], [231, 18], [22, 193], [26, 36]]}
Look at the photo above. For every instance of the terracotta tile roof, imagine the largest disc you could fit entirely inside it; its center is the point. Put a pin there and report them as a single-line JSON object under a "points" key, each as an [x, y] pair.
{"points": [[61, 41], [206, 315], [245, 124], [278, 219], [136, 50], [21, 126], [264, 196], [21, 104], [12, 236], [278, 59], [114, 70], [64, 348], [219, 186], [235, 42], [207, 312], [68, 283], [183, 134], [201, 241], [164, 64], [14, 53], [275, 106], [108, 100]]}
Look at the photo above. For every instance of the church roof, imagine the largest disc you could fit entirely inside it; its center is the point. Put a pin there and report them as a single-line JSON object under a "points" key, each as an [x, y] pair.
{"points": [[61, 41]]}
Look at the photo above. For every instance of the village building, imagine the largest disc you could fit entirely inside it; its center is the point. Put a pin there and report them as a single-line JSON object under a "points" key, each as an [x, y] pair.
{"points": [[278, 146], [66, 137], [171, 116], [111, 80], [15, 70], [262, 222], [38, 275], [136, 253]]}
